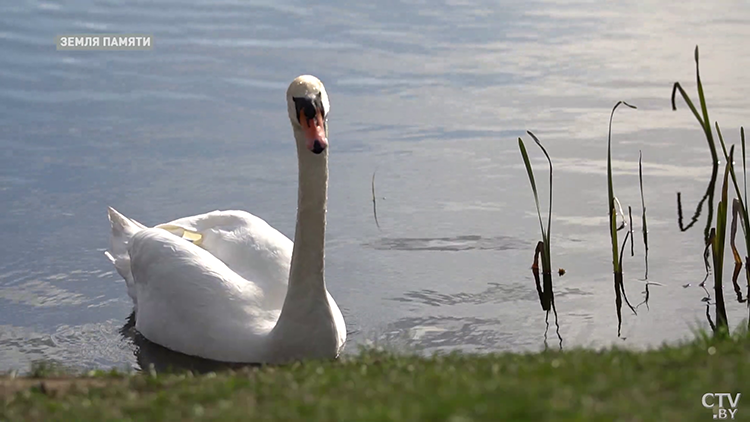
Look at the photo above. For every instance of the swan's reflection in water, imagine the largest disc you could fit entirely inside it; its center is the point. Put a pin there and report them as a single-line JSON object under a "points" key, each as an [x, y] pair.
{"points": [[151, 355]]}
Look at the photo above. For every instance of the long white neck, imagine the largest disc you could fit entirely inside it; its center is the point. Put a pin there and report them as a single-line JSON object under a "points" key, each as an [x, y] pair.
{"points": [[306, 326], [307, 273]]}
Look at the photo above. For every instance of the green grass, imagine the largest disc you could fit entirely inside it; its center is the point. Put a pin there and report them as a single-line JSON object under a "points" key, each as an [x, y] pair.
{"points": [[660, 385]]}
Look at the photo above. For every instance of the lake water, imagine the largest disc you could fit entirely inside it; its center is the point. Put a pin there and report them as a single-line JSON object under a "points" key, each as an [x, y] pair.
{"points": [[431, 95]]}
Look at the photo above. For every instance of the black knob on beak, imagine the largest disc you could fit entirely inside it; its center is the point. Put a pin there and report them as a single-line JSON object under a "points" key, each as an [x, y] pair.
{"points": [[317, 147]]}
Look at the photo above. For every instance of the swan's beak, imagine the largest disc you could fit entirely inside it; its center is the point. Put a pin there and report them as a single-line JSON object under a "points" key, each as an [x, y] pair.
{"points": [[313, 124]]}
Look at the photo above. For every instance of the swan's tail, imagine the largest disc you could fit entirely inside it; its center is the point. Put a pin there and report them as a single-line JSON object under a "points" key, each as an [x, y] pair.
{"points": [[123, 229]]}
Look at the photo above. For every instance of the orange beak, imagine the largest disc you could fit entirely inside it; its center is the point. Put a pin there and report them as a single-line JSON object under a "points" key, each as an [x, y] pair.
{"points": [[316, 138]]}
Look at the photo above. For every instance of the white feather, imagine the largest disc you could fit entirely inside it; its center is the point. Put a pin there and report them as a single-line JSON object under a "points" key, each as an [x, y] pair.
{"points": [[226, 293]]}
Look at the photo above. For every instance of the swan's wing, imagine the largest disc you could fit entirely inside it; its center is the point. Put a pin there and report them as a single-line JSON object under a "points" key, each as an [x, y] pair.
{"points": [[190, 301], [246, 244]]}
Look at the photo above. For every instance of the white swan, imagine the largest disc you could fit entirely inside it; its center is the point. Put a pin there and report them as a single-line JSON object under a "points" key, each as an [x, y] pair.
{"points": [[227, 286]]}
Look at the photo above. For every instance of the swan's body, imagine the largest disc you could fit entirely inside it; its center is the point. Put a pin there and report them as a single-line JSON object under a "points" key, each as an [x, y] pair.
{"points": [[226, 285]]}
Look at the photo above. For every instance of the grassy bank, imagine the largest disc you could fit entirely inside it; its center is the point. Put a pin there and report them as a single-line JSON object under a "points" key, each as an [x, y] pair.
{"points": [[664, 384]]}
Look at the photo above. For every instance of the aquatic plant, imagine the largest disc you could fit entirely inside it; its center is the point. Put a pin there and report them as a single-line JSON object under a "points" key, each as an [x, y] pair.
{"points": [[543, 247], [644, 232], [705, 123], [716, 240], [613, 204], [739, 208], [644, 224], [715, 237]]}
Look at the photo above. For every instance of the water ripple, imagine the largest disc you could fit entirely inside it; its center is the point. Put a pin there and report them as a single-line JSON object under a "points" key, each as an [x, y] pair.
{"points": [[449, 244]]}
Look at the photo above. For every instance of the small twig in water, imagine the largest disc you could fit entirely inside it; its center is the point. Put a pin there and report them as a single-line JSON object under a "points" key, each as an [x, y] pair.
{"points": [[645, 299], [643, 206], [622, 285], [648, 294], [632, 235], [374, 202]]}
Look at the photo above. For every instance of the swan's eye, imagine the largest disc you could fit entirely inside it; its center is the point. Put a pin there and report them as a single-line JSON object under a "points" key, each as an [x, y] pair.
{"points": [[309, 106], [309, 110]]}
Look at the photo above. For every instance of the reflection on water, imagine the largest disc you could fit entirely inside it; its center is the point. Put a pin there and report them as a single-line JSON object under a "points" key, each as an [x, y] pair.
{"points": [[457, 243], [496, 293], [434, 98], [85, 346], [152, 356], [449, 333]]}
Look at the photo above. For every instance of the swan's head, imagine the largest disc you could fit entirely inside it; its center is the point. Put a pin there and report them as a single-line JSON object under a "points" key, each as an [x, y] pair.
{"points": [[308, 107]]}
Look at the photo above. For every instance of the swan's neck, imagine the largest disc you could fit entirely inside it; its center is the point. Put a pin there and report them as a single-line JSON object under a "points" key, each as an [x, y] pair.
{"points": [[307, 273], [306, 326]]}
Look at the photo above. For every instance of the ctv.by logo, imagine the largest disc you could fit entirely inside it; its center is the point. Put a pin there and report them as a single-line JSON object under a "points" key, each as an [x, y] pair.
{"points": [[709, 401]]}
